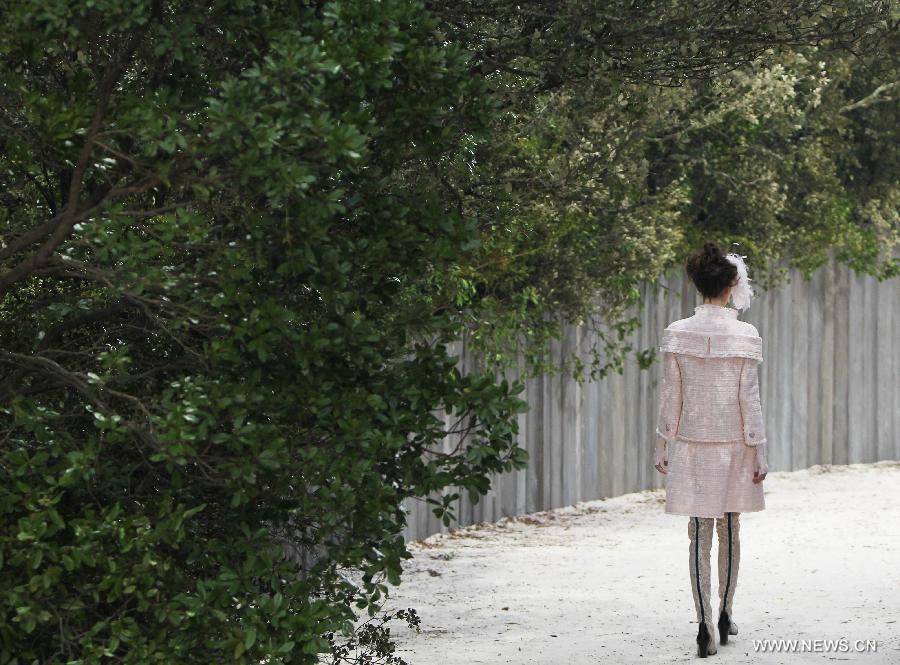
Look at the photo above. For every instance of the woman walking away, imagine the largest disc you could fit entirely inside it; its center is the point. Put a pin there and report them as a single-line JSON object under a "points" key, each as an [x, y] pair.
{"points": [[712, 444]]}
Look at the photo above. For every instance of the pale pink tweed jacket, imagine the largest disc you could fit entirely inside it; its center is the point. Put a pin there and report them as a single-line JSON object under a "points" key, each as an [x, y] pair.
{"points": [[710, 413]]}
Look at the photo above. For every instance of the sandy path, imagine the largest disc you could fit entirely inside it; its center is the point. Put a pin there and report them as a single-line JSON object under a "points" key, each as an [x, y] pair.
{"points": [[607, 581]]}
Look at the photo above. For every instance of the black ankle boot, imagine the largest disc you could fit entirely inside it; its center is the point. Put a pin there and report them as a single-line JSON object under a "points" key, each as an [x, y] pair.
{"points": [[704, 640], [724, 627]]}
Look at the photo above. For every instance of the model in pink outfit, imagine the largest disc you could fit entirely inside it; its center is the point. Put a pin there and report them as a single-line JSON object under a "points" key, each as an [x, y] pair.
{"points": [[711, 442]]}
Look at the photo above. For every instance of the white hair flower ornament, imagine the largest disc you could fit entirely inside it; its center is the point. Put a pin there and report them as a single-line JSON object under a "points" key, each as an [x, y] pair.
{"points": [[742, 293]]}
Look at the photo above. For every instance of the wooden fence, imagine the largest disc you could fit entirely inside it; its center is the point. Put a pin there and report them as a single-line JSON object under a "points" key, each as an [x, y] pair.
{"points": [[828, 384]]}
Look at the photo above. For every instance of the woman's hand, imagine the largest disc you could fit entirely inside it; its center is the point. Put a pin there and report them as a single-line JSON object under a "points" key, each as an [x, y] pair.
{"points": [[762, 466], [662, 459]]}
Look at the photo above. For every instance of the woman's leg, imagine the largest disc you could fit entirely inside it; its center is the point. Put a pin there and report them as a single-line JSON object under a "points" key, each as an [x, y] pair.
{"points": [[700, 531], [729, 532]]}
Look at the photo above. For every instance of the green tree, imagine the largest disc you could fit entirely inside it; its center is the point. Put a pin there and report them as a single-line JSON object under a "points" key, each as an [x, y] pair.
{"points": [[631, 133], [222, 349]]}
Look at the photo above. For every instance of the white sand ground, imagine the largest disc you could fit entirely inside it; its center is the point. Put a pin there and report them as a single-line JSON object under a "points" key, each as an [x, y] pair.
{"points": [[607, 581]]}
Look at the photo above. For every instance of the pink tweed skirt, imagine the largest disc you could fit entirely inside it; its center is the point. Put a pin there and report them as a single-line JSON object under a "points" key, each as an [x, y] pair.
{"points": [[711, 479]]}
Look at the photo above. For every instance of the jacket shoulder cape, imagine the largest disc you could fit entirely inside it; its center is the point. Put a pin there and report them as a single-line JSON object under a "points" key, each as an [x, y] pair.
{"points": [[710, 344]]}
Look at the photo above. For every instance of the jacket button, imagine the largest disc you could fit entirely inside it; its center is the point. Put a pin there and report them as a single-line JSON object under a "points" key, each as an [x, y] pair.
{"points": [[667, 428], [751, 434]]}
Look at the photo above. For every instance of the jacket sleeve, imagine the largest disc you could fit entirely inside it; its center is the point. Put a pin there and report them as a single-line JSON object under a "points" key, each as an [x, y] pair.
{"points": [[751, 409], [670, 397]]}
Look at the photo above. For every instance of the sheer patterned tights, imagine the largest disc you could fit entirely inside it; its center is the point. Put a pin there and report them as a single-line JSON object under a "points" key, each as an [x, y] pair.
{"points": [[700, 533]]}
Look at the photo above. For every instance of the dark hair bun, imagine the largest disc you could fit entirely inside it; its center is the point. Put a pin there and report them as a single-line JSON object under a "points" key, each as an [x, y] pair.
{"points": [[710, 271]]}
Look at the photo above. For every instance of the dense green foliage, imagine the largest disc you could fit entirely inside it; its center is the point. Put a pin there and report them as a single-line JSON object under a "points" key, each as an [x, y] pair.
{"points": [[238, 236], [634, 132], [221, 336]]}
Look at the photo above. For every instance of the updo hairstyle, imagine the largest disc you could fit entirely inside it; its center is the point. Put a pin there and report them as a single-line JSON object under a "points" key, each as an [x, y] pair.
{"points": [[710, 271]]}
